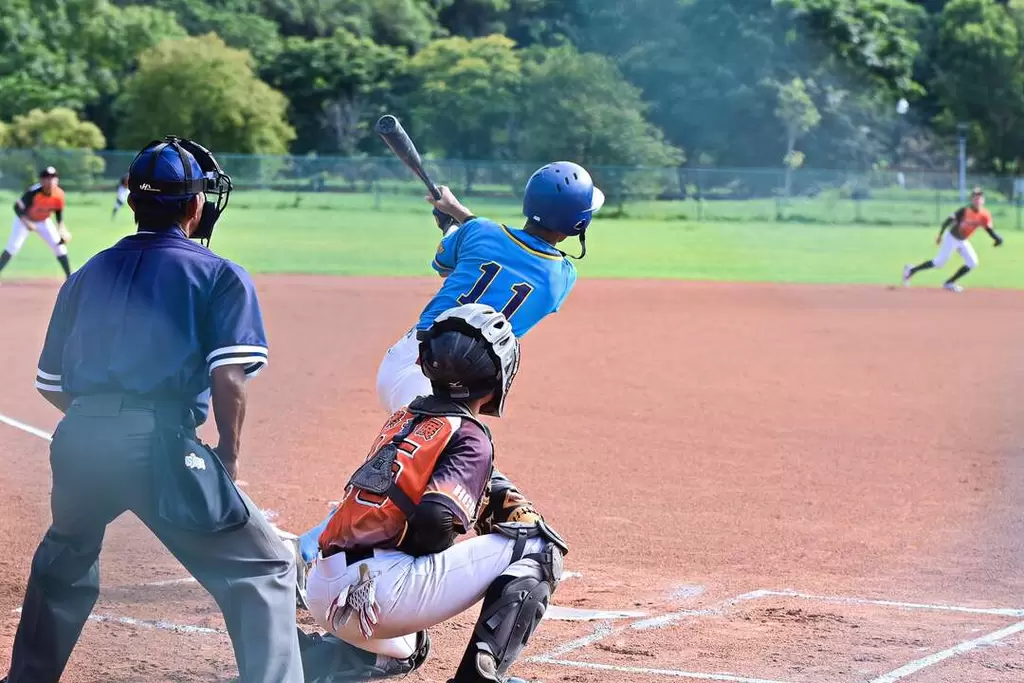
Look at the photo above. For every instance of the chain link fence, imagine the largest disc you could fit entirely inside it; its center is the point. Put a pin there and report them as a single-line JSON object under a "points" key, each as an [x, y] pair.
{"points": [[686, 193]]}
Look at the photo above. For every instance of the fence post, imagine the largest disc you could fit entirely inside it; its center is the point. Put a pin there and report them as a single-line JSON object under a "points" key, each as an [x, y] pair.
{"points": [[700, 197], [938, 205]]}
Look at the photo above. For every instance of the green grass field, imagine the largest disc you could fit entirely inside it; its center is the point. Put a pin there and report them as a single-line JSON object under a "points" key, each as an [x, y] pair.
{"points": [[736, 241]]}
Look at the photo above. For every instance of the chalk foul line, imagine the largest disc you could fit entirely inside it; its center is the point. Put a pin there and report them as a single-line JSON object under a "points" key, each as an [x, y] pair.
{"points": [[27, 428], [159, 625], [959, 649]]}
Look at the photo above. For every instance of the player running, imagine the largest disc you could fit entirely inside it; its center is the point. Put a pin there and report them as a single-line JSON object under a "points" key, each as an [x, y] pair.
{"points": [[962, 225], [122, 195], [387, 566], [521, 273], [32, 214]]}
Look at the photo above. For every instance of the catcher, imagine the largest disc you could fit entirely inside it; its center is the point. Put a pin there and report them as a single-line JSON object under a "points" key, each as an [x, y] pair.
{"points": [[32, 214], [961, 225], [388, 567]]}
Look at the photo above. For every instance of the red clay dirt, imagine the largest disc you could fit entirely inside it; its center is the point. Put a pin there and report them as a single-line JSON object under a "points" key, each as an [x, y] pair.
{"points": [[693, 441]]}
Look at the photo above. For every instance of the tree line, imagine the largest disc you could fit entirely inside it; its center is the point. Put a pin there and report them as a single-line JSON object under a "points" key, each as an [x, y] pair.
{"points": [[609, 82]]}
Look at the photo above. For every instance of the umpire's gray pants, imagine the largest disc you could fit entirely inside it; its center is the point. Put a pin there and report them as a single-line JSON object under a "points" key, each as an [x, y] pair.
{"points": [[101, 468]]}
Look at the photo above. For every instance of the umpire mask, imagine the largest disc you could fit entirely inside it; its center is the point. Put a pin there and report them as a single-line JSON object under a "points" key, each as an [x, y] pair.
{"points": [[144, 180]]}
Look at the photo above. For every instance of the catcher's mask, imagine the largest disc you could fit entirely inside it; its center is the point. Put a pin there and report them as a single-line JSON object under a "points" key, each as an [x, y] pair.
{"points": [[152, 180], [470, 352]]}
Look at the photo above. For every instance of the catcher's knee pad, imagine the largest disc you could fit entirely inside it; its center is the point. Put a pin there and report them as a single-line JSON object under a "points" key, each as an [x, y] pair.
{"points": [[513, 607]]}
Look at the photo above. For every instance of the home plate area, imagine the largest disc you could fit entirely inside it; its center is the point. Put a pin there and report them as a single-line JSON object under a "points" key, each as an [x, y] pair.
{"points": [[791, 637]]}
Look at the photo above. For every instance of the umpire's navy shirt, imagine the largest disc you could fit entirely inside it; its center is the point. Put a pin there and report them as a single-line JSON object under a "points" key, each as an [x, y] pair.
{"points": [[152, 316]]}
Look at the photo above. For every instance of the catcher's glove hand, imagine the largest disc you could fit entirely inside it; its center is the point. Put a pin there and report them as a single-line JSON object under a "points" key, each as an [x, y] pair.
{"points": [[65, 234]]}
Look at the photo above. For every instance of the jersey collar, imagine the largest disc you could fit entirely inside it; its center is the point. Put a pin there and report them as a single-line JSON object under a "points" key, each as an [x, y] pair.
{"points": [[532, 243]]}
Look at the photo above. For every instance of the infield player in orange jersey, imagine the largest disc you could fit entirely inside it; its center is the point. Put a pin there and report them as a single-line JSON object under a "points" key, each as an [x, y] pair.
{"points": [[32, 214], [961, 225]]}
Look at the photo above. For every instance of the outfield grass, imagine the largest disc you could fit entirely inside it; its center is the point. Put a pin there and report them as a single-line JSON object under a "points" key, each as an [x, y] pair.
{"points": [[394, 235]]}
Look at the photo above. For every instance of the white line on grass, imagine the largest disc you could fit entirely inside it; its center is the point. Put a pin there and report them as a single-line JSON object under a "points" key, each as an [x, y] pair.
{"points": [[966, 646], [29, 429], [996, 611], [731, 678]]}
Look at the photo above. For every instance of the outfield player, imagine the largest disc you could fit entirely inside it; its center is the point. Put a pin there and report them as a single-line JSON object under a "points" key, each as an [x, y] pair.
{"points": [[961, 225], [122, 195], [32, 214], [521, 273], [387, 565]]}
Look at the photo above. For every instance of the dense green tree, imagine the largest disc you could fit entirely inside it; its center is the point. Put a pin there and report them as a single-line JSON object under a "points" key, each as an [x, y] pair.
{"points": [[217, 100], [55, 137], [335, 87], [979, 78], [465, 102], [710, 68]]}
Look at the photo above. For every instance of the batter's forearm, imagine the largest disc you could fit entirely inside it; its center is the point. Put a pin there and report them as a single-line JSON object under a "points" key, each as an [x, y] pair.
{"points": [[229, 402]]}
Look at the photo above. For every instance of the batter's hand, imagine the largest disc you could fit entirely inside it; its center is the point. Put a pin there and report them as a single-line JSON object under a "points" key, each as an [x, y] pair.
{"points": [[449, 205]]}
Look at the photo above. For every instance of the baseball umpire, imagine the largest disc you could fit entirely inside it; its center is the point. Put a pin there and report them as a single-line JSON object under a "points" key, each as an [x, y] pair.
{"points": [[143, 338]]}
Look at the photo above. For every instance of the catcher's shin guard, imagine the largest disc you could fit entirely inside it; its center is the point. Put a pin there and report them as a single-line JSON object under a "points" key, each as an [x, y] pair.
{"points": [[513, 607]]}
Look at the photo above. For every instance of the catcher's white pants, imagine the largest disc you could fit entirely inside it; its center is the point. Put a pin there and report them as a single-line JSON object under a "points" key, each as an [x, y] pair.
{"points": [[399, 377], [962, 247], [414, 593], [45, 229]]}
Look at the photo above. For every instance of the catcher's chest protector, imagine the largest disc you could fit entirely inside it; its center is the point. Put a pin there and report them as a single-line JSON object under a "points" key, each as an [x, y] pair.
{"points": [[382, 493]]}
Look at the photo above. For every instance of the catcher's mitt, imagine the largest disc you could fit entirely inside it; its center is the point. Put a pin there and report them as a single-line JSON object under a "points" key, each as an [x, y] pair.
{"points": [[65, 234]]}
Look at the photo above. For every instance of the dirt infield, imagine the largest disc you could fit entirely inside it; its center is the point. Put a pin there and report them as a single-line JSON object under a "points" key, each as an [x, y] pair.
{"points": [[796, 484]]}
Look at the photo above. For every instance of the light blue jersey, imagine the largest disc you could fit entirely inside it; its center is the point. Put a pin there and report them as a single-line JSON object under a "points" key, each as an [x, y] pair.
{"points": [[509, 270]]}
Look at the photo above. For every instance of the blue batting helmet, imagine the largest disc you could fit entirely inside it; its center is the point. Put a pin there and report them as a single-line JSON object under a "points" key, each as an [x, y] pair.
{"points": [[562, 197]]}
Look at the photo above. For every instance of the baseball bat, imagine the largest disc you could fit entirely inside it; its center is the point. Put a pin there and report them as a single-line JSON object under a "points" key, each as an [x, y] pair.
{"points": [[394, 136]]}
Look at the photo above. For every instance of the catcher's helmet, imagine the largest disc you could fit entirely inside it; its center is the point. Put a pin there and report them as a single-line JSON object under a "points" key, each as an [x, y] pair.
{"points": [[562, 197], [469, 352]]}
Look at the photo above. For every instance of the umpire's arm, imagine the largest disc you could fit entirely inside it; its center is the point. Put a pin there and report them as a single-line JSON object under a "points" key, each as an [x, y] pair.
{"points": [[50, 371]]}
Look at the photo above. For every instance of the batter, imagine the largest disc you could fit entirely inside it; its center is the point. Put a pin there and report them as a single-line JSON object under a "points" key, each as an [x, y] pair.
{"points": [[521, 273]]}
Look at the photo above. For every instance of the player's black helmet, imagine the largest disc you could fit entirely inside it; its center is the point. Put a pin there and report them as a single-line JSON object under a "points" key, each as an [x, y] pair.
{"points": [[469, 352]]}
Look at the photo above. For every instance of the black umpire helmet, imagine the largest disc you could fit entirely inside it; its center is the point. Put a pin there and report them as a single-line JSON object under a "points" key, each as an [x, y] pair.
{"points": [[470, 352], [167, 173]]}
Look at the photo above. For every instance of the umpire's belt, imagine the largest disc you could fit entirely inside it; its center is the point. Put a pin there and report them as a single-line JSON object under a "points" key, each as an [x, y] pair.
{"points": [[109, 405]]}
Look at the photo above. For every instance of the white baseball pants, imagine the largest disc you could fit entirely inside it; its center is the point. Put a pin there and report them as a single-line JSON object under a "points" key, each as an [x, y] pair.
{"points": [[399, 377], [414, 593], [962, 247], [45, 229]]}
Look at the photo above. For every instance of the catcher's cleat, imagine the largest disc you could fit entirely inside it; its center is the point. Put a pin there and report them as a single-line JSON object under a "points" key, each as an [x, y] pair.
{"points": [[291, 541], [327, 659]]}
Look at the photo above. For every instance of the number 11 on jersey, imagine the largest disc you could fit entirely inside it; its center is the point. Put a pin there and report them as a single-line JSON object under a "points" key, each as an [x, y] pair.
{"points": [[489, 271]]}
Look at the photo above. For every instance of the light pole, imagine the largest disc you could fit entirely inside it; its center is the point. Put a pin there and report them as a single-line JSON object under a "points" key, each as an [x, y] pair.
{"points": [[961, 135]]}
